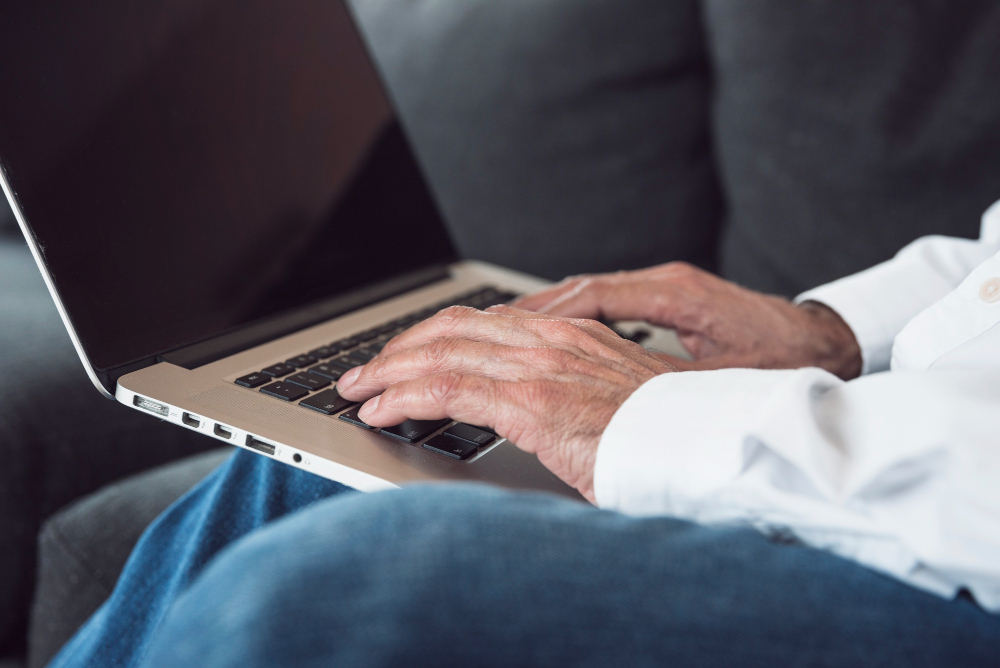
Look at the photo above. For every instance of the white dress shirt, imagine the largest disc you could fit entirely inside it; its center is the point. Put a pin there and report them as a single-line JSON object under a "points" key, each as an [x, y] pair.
{"points": [[898, 470]]}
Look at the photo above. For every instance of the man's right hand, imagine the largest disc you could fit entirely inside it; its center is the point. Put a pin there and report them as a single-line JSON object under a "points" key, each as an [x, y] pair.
{"points": [[721, 324]]}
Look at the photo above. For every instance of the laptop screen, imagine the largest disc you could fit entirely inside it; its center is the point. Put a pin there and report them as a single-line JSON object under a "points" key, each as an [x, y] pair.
{"points": [[194, 166]]}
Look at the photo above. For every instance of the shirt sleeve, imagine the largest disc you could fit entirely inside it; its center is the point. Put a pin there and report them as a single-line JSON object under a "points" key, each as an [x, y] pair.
{"points": [[897, 471], [878, 302]]}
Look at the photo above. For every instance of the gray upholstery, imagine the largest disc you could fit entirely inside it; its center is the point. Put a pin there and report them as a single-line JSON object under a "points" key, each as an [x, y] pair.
{"points": [[561, 136], [846, 130], [83, 548], [8, 226]]}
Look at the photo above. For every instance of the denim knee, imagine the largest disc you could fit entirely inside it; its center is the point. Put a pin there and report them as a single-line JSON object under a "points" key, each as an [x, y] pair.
{"points": [[368, 579]]}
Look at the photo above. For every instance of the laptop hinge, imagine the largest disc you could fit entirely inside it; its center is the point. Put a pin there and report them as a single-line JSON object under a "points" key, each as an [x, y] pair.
{"points": [[208, 351]]}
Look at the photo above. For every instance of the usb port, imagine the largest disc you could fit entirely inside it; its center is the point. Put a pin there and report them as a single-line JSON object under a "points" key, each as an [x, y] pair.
{"points": [[190, 420], [255, 443], [151, 406], [222, 431]]}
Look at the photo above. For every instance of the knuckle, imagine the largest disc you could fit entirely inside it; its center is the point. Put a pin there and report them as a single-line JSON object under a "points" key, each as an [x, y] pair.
{"points": [[375, 370], [588, 325], [438, 351], [393, 398], [443, 387], [564, 330], [682, 270], [453, 314]]}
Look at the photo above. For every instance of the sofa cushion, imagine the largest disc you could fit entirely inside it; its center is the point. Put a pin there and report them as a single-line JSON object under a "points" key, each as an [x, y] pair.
{"points": [[847, 129], [561, 136]]}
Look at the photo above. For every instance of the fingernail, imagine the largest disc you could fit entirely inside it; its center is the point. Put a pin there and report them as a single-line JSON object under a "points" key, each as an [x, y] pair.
{"points": [[369, 407], [348, 378]]}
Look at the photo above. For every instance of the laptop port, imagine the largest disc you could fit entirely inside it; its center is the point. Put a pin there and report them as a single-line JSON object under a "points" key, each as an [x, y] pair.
{"points": [[191, 420], [153, 407], [255, 443], [224, 432]]}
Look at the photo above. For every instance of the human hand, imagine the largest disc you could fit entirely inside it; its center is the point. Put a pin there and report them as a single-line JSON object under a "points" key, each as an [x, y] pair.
{"points": [[720, 323], [550, 385]]}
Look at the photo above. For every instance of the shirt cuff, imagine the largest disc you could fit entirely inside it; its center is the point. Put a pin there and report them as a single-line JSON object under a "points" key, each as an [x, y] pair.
{"points": [[679, 438], [878, 302]]}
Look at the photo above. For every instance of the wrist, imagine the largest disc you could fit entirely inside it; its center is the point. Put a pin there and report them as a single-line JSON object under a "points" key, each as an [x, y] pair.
{"points": [[836, 348]]}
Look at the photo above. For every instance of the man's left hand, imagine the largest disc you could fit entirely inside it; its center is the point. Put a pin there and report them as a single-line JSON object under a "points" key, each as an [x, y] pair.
{"points": [[549, 384]]}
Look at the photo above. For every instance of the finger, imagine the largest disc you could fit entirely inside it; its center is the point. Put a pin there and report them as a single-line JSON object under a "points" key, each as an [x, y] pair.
{"points": [[583, 337], [539, 299], [437, 356], [631, 297], [595, 329], [464, 322], [517, 311], [466, 398], [504, 325]]}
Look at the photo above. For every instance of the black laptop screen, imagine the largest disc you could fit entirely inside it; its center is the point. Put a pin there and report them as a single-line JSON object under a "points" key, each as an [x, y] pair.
{"points": [[193, 166]]}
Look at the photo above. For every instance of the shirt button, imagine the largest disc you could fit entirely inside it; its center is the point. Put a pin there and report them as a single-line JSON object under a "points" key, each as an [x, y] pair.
{"points": [[989, 291]]}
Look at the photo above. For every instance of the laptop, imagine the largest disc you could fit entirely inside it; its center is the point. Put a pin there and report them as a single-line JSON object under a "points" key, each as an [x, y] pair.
{"points": [[229, 215]]}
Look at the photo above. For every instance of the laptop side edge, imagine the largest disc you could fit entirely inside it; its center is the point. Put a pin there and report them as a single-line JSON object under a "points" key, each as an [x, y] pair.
{"points": [[37, 253]]}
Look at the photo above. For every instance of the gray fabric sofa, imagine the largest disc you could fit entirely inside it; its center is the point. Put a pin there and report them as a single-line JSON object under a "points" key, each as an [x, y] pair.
{"points": [[783, 144]]}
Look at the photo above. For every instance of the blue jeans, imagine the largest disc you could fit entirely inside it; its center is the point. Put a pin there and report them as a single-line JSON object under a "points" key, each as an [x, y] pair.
{"points": [[263, 565]]}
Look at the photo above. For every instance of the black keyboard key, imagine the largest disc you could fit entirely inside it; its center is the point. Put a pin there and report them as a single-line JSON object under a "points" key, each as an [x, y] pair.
{"points": [[343, 363], [451, 447], [285, 391], [369, 335], [390, 327], [323, 352], [352, 417], [349, 342], [470, 434], [378, 346], [310, 381], [481, 299], [278, 370], [302, 361], [327, 402], [412, 431], [255, 379], [361, 356], [327, 371]]}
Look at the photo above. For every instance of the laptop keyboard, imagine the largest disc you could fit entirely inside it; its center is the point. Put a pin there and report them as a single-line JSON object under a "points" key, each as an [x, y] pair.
{"points": [[307, 379]]}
